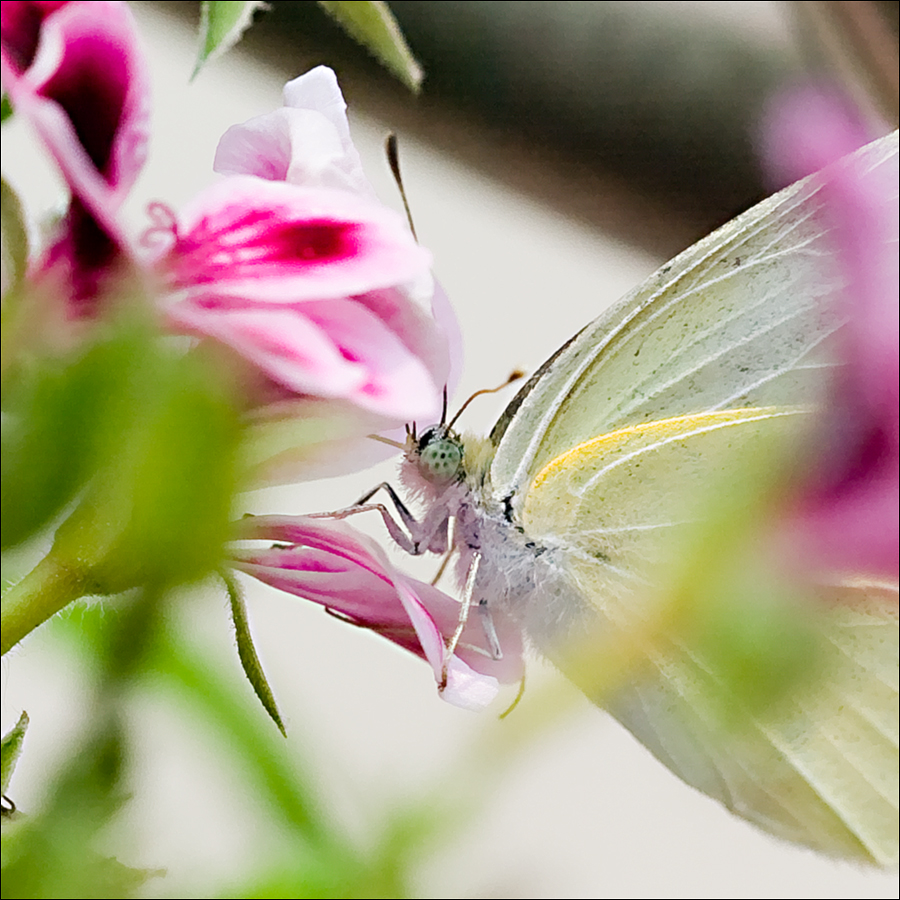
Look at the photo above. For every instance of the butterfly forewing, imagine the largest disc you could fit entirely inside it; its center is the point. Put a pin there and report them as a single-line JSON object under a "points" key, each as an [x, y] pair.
{"points": [[742, 318]]}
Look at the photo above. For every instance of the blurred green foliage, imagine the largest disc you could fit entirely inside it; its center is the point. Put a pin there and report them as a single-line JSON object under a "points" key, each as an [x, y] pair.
{"points": [[221, 26], [153, 430], [138, 651], [13, 231]]}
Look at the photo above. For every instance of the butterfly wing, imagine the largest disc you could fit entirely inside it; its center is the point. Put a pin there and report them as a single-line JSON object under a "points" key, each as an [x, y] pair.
{"points": [[823, 772], [719, 349], [820, 767], [739, 319]]}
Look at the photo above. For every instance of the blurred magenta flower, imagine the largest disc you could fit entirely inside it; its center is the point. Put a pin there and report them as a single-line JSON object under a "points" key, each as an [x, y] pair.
{"points": [[846, 511], [321, 295], [329, 563], [75, 71]]}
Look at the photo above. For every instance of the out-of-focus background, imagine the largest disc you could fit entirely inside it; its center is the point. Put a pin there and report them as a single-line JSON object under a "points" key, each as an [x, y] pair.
{"points": [[559, 153]]}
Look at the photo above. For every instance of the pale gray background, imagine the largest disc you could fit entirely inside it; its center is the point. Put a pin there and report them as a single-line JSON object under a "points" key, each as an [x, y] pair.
{"points": [[584, 811]]}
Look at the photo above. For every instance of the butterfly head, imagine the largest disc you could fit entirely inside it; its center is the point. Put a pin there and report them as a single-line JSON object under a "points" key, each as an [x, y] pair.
{"points": [[437, 454]]}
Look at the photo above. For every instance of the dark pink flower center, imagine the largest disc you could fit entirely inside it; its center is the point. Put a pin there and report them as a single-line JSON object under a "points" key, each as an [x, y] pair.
{"points": [[861, 446], [258, 244], [91, 85], [21, 32]]}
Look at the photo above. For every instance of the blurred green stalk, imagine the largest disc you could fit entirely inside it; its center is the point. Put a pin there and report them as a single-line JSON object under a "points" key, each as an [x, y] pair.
{"points": [[42, 593]]}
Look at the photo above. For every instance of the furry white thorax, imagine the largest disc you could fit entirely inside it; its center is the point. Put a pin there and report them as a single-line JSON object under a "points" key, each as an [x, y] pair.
{"points": [[501, 569]]}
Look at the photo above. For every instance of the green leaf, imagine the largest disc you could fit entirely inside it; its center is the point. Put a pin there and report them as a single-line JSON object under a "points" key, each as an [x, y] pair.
{"points": [[6, 109], [14, 237], [10, 751], [247, 653], [221, 27], [373, 25]]}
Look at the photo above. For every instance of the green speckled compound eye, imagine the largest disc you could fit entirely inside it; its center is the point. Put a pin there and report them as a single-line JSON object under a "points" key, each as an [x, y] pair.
{"points": [[440, 457]]}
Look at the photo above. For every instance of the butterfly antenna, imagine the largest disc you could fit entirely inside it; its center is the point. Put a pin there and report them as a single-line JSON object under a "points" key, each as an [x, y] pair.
{"points": [[444, 407], [393, 157], [515, 375]]}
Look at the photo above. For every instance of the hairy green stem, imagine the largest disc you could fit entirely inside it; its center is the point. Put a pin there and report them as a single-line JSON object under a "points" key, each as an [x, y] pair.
{"points": [[44, 591]]}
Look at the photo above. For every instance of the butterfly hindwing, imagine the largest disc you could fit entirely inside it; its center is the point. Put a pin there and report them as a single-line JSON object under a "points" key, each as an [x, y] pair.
{"points": [[820, 768]]}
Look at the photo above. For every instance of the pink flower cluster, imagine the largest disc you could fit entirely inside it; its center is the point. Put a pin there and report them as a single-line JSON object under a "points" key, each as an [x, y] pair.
{"points": [[289, 261]]}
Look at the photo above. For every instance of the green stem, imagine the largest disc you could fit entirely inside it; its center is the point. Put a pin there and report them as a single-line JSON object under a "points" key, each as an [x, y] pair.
{"points": [[44, 591]]}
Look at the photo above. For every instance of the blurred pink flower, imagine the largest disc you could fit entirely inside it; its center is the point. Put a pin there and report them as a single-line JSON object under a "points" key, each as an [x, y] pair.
{"points": [[75, 71], [329, 563], [289, 261], [846, 512]]}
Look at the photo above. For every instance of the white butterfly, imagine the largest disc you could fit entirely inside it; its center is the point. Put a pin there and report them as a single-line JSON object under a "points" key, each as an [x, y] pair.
{"points": [[560, 515]]}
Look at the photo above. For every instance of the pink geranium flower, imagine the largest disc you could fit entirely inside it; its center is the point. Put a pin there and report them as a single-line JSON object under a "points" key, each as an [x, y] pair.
{"points": [[320, 291], [281, 274], [391, 342], [329, 563], [846, 513]]}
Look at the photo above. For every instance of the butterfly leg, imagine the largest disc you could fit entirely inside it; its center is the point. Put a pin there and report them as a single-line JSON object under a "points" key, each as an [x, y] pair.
{"points": [[463, 610], [408, 519], [487, 622], [442, 567], [400, 537], [490, 632], [431, 534]]}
